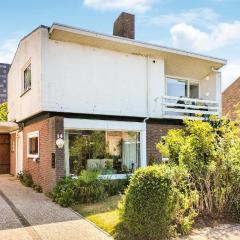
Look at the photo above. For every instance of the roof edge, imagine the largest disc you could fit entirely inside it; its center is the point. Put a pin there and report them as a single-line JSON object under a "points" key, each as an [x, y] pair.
{"points": [[142, 43]]}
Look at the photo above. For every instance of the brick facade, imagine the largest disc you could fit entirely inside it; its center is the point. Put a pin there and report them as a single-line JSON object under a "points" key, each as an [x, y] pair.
{"points": [[230, 98], [124, 26], [4, 68], [13, 153], [154, 133], [43, 172]]}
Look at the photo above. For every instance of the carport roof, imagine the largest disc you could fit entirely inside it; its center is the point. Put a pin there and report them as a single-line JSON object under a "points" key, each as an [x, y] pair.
{"points": [[7, 127]]}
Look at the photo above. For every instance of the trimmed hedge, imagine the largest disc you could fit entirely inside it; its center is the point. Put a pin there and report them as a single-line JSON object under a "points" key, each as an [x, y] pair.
{"points": [[157, 204]]}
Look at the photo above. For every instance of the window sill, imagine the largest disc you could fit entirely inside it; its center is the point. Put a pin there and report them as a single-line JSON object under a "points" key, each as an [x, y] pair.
{"points": [[33, 156], [25, 92]]}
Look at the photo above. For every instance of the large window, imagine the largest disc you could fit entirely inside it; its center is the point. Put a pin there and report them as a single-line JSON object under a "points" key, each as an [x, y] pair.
{"points": [[182, 88], [110, 152], [33, 144], [27, 75]]}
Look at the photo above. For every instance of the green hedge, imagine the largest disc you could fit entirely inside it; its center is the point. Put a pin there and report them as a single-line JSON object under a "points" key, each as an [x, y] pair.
{"points": [[157, 204]]}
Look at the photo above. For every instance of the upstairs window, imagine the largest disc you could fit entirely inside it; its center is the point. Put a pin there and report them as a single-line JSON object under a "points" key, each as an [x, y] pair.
{"points": [[27, 78], [182, 88]]}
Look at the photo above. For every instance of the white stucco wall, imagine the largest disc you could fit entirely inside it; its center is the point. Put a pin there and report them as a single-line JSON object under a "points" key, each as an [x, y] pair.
{"points": [[83, 79], [21, 107], [74, 78], [210, 87]]}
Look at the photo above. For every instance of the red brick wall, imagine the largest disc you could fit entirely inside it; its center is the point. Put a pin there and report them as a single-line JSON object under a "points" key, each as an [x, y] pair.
{"points": [[13, 153], [124, 26], [154, 133], [42, 171], [230, 98]]}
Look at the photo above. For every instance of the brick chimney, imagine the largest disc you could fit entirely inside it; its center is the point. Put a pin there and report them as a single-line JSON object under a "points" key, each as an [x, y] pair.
{"points": [[124, 26]]}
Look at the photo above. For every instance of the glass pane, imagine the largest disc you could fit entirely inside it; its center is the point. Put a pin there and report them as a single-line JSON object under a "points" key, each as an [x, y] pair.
{"points": [[33, 145], [110, 152], [176, 87], [194, 90], [27, 78]]}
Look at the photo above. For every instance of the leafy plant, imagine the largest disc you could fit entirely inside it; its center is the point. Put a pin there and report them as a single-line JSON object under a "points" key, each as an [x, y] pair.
{"points": [[25, 178], [210, 151], [37, 187], [114, 187], [157, 203], [87, 188], [3, 112]]}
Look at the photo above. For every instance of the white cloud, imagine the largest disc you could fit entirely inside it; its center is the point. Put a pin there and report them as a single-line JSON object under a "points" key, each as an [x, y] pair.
{"points": [[124, 5], [7, 50], [230, 73], [200, 16], [223, 36], [190, 37]]}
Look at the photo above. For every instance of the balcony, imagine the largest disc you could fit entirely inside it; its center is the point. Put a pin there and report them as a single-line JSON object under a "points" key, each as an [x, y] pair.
{"points": [[180, 107]]}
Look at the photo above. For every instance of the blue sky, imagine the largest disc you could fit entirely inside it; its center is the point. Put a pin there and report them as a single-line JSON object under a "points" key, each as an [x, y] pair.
{"points": [[210, 27]]}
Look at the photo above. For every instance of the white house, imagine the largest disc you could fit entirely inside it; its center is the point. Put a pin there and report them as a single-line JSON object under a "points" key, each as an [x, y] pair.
{"points": [[109, 97]]}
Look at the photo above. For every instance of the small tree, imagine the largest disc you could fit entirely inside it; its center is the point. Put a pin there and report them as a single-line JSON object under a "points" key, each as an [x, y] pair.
{"points": [[211, 153], [3, 112]]}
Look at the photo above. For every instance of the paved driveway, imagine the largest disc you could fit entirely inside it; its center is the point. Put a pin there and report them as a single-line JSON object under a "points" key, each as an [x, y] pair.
{"points": [[27, 215]]}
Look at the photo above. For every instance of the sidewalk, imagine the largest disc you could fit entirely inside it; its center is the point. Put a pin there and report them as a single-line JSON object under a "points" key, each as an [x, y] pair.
{"points": [[25, 214]]}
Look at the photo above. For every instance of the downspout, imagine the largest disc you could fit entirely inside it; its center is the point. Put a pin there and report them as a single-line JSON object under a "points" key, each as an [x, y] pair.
{"points": [[147, 90], [147, 111]]}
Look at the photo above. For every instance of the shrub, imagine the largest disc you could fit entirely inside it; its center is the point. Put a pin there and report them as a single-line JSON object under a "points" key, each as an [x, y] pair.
{"points": [[25, 178], [210, 151], [63, 192], [157, 203], [37, 187], [87, 188], [114, 187]]}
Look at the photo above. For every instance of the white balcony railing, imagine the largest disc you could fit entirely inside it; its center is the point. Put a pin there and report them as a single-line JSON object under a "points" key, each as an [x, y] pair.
{"points": [[179, 108]]}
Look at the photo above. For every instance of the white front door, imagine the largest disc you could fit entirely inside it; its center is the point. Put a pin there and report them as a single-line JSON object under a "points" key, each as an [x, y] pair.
{"points": [[19, 163]]}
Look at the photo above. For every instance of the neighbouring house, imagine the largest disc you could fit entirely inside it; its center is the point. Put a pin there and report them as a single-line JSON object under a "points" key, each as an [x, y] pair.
{"points": [[4, 68], [87, 100], [231, 100]]}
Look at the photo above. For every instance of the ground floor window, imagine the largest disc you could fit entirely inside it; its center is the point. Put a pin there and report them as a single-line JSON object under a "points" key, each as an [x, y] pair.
{"points": [[33, 144], [110, 152]]}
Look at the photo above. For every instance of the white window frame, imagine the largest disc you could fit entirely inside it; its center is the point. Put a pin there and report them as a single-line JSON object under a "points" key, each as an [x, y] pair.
{"points": [[29, 136], [106, 125], [189, 80]]}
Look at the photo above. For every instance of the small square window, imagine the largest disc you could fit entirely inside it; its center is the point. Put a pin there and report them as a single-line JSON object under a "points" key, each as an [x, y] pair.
{"points": [[33, 145], [27, 75]]}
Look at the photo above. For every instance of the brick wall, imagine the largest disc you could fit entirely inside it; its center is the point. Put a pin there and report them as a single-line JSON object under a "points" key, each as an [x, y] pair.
{"points": [[154, 133], [13, 153], [124, 26], [42, 171], [230, 98]]}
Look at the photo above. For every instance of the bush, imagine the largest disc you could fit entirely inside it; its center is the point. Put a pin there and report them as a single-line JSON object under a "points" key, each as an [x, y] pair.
{"points": [[157, 204], [114, 187], [25, 178], [37, 187], [63, 192], [87, 188], [210, 151]]}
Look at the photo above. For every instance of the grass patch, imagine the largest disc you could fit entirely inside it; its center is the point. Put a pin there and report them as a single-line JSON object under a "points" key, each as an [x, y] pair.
{"points": [[104, 214]]}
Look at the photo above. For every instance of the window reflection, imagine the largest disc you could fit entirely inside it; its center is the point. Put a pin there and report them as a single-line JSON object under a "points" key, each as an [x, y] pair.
{"points": [[110, 152]]}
